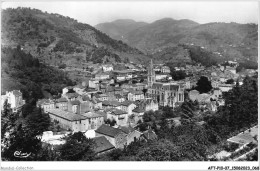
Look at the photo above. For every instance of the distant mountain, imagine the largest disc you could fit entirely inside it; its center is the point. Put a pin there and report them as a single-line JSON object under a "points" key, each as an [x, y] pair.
{"points": [[227, 40], [119, 28], [57, 39]]}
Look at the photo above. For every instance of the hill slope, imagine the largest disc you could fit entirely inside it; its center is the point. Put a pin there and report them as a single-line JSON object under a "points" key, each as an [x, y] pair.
{"points": [[55, 39]]}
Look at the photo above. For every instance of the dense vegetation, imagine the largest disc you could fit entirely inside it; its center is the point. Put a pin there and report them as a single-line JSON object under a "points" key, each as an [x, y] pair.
{"points": [[21, 131], [50, 35], [31, 76], [100, 54], [203, 85], [202, 56], [240, 109]]}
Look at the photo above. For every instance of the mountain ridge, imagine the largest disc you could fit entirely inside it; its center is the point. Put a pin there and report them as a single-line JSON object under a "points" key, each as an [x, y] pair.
{"points": [[233, 40]]}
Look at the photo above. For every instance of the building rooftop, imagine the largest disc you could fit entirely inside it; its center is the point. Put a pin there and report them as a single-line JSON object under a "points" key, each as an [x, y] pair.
{"points": [[102, 144], [92, 115], [150, 135], [45, 102], [17, 93], [109, 131], [126, 129], [72, 95], [66, 115], [116, 111], [62, 99], [127, 103], [75, 102], [110, 103]]}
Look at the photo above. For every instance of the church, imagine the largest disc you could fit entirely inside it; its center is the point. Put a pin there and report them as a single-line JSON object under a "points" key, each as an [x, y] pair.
{"points": [[166, 94]]}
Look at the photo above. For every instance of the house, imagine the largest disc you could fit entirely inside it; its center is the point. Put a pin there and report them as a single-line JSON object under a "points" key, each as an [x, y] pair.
{"points": [[45, 104], [93, 84], [174, 121], [67, 90], [135, 95], [160, 76], [138, 113], [80, 89], [102, 76], [149, 135], [128, 106], [110, 104], [140, 86], [69, 120], [114, 135], [132, 134], [62, 103], [102, 97], [165, 69], [216, 93], [14, 98], [74, 106], [95, 120], [215, 83], [119, 98], [120, 116], [107, 67], [71, 96], [102, 145], [148, 104], [225, 87]]}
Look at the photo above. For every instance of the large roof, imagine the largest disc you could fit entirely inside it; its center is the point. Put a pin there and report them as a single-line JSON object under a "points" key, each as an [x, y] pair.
{"points": [[126, 129], [92, 115], [150, 135], [102, 144], [75, 102], [116, 111], [109, 131], [17, 93], [62, 99], [110, 103], [66, 115], [127, 103], [45, 101], [72, 95]]}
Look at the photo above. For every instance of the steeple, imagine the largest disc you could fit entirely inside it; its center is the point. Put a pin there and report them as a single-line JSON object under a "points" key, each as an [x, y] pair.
{"points": [[151, 75]]}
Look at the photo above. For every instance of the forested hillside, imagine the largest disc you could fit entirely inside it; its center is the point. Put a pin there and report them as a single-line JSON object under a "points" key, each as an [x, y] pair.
{"points": [[22, 71], [55, 39]]}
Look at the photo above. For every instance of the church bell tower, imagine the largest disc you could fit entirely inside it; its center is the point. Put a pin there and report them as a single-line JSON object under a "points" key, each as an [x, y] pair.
{"points": [[151, 75]]}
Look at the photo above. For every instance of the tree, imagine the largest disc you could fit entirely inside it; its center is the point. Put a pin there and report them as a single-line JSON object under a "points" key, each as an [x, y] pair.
{"points": [[77, 147], [23, 134], [7, 119], [230, 81], [37, 122], [145, 91], [162, 150], [178, 75], [203, 85]]}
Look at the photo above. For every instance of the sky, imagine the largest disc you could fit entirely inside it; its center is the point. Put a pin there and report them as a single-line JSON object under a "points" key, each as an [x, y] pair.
{"points": [[95, 12]]}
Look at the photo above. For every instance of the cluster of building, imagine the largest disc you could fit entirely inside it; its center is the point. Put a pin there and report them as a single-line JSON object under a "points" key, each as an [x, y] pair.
{"points": [[107, 99]]}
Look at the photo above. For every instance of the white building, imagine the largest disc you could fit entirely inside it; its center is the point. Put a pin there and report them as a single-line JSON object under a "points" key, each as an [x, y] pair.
{"points": [[135, 95], [107, 68], [14, 98]]}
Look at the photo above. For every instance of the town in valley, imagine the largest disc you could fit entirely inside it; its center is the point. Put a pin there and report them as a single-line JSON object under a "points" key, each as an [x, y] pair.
{"points": [[73, 93]]}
